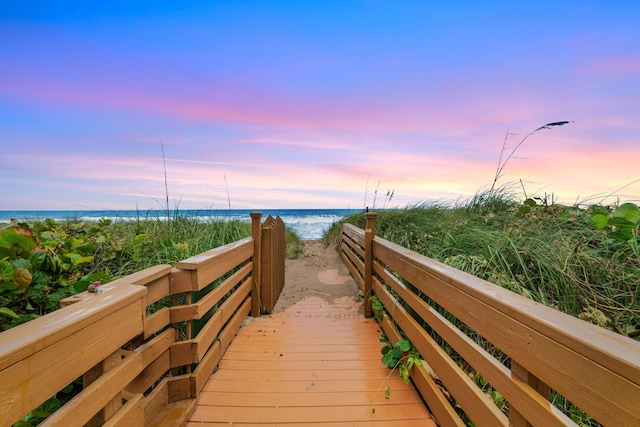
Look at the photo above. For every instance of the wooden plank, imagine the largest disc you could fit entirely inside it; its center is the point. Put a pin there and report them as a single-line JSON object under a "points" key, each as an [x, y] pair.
{"points": [[141, 277], [301, 375], [151, 373], [148, 275], [230, 330], [200, 375], [367, 423], [555, 347], [211, 265], [82, 407], [24, 340], [212, 298], [354, 233], [290, 354], [213, 255], [34, 379], [266, 265], [156, 321], [226, 310], [614, 351], [353, 270], [174, 414], [410, 413], [155, 402], [182, 353], [131, 414], [207, 335], [198, 309], [280, 397], [304, 385], [97, 394], [90, 376], [313, 386], [179, 387], [157, 289], [534, 406], [155, 359], [442, 409], [353, 259], [181, 281], [475, 404]]}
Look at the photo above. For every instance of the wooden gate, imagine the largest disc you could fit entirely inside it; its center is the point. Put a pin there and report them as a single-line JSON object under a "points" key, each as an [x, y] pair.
{"points": [[273, 253]]}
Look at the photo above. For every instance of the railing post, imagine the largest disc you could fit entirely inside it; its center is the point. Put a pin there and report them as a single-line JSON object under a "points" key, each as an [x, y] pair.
{"points": [[256, 233], [369, 234], [518, 371], [93, 374], [267, 270]]}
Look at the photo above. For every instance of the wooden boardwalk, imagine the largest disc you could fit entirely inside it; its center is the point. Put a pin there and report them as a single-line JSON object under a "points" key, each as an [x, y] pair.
{"points": [[318, 364]]}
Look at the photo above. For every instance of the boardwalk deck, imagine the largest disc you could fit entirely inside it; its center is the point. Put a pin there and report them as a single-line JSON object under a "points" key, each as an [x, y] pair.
{"points": [[315, 364]]}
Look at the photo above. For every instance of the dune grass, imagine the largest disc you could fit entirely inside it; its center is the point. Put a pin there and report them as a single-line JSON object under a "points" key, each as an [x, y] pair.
{"points": [[61, 258], [553, 254], [550, 254]]}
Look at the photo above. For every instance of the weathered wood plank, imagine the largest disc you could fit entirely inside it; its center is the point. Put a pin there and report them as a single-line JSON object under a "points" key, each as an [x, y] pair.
{"points": [[555, 347]]}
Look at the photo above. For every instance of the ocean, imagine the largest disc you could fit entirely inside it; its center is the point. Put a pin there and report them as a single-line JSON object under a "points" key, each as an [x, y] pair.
{"points": [[309, 224]]}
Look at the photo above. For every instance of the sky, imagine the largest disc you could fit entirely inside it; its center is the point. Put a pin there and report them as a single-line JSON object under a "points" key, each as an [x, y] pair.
{"points": [[315, 104]]}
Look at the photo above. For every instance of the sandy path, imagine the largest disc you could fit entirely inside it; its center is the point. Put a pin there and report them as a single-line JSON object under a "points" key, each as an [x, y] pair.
{"points": [[319, 272]]}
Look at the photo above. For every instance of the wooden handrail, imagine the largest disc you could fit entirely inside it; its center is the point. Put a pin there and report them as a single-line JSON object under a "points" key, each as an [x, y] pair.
{"points": [[129, 349], [595, 369]]}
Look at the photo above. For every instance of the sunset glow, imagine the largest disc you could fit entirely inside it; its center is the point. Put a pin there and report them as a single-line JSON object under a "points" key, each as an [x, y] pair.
{"points": [[292, 105]]}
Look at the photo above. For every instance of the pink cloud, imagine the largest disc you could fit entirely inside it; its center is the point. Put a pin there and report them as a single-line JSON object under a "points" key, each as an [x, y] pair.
{"points": [[613, 67]]}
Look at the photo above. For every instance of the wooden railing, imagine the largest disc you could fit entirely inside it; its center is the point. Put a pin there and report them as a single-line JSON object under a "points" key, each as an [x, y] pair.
{"points": [[524, 350], [142, 359], [273, 254]]}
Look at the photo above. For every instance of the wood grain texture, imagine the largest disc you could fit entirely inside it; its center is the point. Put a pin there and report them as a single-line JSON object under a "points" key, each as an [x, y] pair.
{"points": [[315, 363]]}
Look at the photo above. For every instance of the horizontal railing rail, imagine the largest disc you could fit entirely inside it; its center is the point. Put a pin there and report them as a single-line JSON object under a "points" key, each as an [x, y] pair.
{"points": [[464, 326], [144, 346]]}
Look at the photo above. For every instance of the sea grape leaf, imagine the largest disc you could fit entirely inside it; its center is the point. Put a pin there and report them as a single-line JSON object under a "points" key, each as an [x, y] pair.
{"points": [[18, 239], [628, 211], [6, 271], [599, 221]]}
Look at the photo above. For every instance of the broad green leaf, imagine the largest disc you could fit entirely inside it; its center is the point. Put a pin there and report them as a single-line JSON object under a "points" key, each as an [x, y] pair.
{"points": [[623, 233], [81, 285], [18, 238], [404, 345], [599, 221], [628, 211], [618, 221], [6, 271]]}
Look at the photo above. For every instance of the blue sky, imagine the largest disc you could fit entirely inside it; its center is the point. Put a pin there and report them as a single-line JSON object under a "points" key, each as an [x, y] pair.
{"points": [[312, 104]]}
